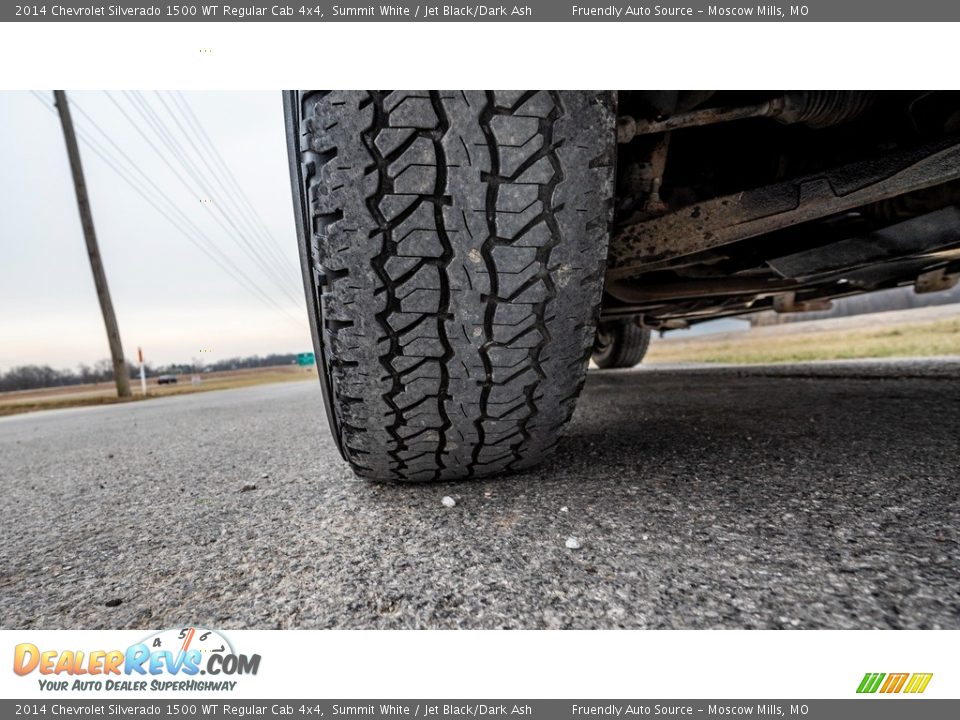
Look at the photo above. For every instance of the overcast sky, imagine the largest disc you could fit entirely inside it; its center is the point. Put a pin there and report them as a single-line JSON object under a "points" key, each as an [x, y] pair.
{"points": [[170, 298]]}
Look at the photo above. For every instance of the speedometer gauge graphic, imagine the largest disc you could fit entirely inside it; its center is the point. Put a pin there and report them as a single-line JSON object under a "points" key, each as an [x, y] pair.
{"points": [[181, 640]]}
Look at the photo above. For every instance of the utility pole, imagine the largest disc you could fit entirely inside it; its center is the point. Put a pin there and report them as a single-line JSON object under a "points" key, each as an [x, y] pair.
{"points": [[93, 251]]}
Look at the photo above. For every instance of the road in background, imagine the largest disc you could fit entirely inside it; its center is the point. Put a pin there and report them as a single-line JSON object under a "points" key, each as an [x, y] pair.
{"points": [[20, 401], [810, 496]]}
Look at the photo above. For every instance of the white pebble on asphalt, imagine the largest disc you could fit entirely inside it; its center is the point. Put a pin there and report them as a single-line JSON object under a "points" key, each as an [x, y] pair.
{"points": [[573, 543], [448, 501]]}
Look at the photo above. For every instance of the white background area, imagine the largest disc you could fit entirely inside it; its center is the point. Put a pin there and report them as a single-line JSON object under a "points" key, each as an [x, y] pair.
{"points": [[665, 664], [272, 56]]}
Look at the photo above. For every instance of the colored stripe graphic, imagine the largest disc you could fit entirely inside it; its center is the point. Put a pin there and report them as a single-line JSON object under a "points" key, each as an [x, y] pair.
{"points": [[918, 682], [870, 682], [894, 682]]}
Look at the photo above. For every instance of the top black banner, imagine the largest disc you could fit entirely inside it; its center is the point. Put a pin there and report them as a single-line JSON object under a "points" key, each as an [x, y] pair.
{"points": [[531, 11]]}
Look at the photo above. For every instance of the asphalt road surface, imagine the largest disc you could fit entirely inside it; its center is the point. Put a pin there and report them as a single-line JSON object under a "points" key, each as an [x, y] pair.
{"points": [[817, 496]]}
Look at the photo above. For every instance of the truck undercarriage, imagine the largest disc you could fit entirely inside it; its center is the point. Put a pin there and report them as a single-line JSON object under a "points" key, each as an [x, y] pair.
{"points": [[733, 202]]}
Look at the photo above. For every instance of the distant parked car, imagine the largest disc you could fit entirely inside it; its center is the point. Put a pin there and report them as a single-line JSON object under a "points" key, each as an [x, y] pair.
{"points": [[167, 380]]}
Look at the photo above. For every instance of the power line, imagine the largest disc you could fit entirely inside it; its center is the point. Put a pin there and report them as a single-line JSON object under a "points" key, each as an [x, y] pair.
{"points": [[170, 143], [276, 258], [145, 109], [204, 185], [188, 113], [238, 195], [173, 205], [222, 260], [219, 259]]}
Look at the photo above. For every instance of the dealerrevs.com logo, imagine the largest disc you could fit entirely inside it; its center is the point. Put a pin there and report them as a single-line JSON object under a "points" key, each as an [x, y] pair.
{"points": [[170, 660], [889, 683]]}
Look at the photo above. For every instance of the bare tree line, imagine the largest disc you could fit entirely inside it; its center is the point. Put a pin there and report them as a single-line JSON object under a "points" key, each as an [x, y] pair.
{"points": [[31, 377]]}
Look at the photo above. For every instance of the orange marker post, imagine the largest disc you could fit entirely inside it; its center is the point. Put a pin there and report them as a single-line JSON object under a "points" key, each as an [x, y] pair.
{"points": [[143, 373]]}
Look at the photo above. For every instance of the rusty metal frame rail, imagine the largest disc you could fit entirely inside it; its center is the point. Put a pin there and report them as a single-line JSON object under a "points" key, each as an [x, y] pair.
{"points": [[652, 244], [629, 128]]}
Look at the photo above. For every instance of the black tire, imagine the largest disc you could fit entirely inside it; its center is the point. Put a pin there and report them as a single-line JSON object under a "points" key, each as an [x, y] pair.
{"points": [[620, 344], [454, 268]]}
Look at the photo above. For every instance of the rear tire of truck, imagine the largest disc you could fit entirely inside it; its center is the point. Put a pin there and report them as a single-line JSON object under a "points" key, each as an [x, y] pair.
{"points": [[454, 246], [620, 344]]}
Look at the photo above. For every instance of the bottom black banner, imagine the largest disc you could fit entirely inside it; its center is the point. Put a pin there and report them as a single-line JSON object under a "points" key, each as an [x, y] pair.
{"points": [[872, 708]]}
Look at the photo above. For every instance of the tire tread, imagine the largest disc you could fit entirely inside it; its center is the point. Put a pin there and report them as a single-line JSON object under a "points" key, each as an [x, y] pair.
{"points": [[458, 244]]}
